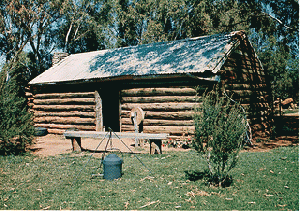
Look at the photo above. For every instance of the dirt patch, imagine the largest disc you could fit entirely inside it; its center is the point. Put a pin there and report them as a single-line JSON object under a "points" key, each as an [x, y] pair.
{"points": [[52, 145], [263, 145]]}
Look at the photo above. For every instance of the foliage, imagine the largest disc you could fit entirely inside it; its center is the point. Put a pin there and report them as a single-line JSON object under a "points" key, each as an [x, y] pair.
{"points": [[29, 25], [16, 128], [147, 21], [274, 32], [220, 129], [40, 27], [263, 181], [281, 66], [86, 25]]}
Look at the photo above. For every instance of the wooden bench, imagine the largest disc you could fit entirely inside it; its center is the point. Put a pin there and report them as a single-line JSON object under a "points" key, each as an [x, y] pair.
{"points": [[155, 139]]}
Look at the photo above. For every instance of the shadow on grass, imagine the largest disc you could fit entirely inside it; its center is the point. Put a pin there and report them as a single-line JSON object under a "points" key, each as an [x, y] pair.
{"points": [[196, 175], [108, 151], [213, 180]]}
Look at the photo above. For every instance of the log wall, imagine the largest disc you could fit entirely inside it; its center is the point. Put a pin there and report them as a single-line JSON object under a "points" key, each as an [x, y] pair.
{"points": [[167, 109], [60, 111], [246, 81]]}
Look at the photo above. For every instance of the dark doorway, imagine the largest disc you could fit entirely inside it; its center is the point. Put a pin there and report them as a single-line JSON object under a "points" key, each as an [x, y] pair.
{"points": [[110, 108]]}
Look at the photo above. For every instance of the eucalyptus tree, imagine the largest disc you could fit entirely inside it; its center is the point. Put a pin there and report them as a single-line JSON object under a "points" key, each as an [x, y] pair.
{"points": [[275, 35], [86, 26], [28, 25]]}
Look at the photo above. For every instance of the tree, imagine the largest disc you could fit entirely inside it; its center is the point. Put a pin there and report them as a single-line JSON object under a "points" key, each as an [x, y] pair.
{"points": [[165, 21], [29, 25], [41, 26], [127, 23], [220, 130], [16, 129], [86, 25], [274, 32]]}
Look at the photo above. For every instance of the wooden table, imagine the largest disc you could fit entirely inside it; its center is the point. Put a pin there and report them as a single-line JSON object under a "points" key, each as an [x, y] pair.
{"points": [[155, 139]]}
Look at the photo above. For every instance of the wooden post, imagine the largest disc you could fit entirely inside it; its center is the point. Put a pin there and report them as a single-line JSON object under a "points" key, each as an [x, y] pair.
{"points": [[136, 130], [137, 117], [98, 110], [76, 144]]}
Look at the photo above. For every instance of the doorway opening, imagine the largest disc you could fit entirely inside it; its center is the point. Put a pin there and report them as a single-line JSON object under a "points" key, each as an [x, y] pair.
{"points": [[110, 108]]}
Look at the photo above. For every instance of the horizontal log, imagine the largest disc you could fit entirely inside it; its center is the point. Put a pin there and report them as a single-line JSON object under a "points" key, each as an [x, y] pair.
{"points": [[64, 107], [254, 121], [263, 105], [64, 120], [243, 67], [241, 93], [183, 115], [172, 130], [158, 92], [237, 59], [64, 101], [65, 114], [159, 106], [65, 95], [243, 100], [245, 78], [56, 131], [261, 115], [59, 126], [153, 109], [160, 99], [28, 94], [246, 86], [255, 110], [160, 122], [250, 100]]}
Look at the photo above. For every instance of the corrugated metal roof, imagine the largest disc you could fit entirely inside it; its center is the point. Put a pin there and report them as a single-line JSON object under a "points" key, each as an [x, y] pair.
{"points": [[184, 56]]}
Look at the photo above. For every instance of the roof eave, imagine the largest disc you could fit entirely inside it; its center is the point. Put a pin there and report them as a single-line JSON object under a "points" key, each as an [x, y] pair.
{"points": [[206, 77]]}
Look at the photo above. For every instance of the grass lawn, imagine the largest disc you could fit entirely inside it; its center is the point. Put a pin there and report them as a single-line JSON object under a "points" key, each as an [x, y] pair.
{"points": [[262, 181]]}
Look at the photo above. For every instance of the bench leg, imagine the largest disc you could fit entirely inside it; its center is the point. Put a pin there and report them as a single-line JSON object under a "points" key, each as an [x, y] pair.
{"points": [[76, 144], [155, 147]]}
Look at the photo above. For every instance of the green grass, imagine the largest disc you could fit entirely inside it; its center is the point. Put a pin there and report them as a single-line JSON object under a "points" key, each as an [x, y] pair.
{"points": [[262, 181]]}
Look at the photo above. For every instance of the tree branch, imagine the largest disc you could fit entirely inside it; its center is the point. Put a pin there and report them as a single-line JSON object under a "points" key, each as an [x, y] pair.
{"points": [[279, 21], [68, 34]]}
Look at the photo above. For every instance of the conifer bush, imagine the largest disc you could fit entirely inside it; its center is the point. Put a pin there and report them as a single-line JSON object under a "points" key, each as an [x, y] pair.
{"points": [[220, 130], [16, 129]]}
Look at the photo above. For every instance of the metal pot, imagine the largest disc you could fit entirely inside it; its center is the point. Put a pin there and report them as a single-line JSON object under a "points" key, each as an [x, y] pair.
{"points": [[112, 166]]}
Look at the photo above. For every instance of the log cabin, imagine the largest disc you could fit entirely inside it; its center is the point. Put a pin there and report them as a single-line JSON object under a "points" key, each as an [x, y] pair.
{"points": [[97, 90]]}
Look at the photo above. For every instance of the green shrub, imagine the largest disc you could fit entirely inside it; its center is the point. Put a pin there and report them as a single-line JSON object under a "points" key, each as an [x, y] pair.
{"points": [[16, 127], [220, 129]]}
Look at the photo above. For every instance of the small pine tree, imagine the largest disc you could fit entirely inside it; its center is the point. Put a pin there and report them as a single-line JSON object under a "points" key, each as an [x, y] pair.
{"points": [[16, 129], [220, 129]]}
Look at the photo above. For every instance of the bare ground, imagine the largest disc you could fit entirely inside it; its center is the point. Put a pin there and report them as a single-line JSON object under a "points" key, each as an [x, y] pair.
{"points": [[52, 145], [266, 145]]}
